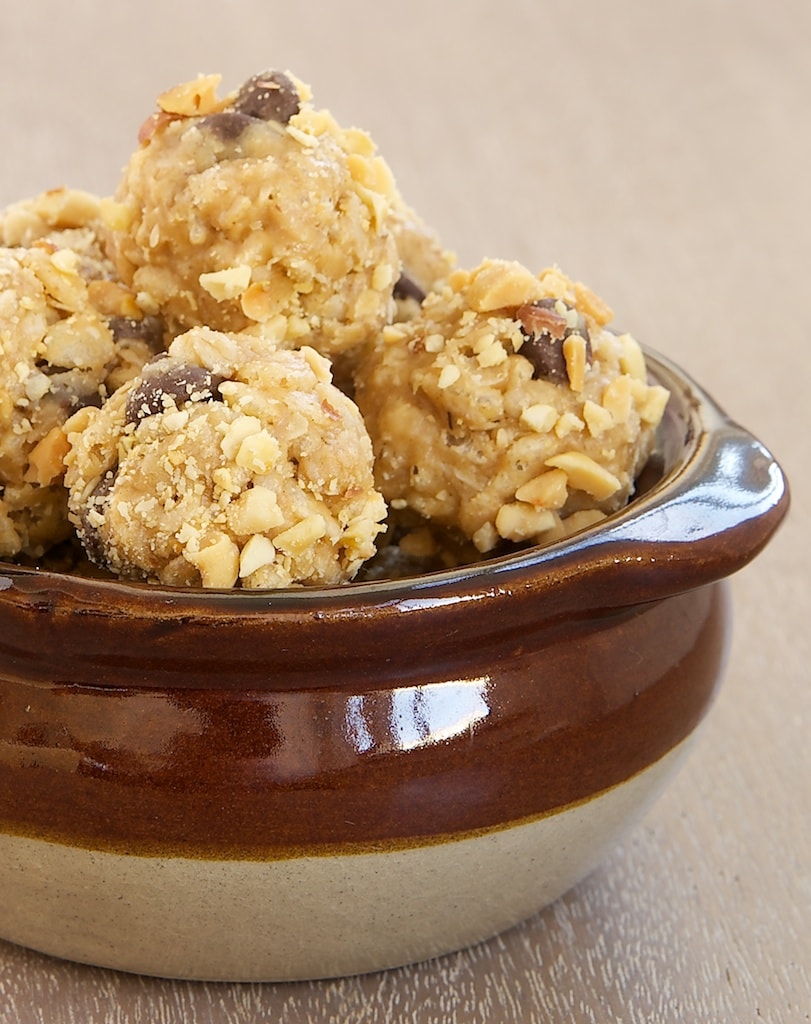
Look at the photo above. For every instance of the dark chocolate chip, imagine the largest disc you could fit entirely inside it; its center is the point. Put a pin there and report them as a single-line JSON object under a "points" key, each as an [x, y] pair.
{"points": [[173, 385], [270, 96], [97, 503], [227, 125], [148, 330], [70, 388], [544, 330], [546, 355], [407, 288], [50, 369]]}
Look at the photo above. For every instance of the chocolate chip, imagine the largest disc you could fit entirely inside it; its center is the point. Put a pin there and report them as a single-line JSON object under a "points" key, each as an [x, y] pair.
{"points": [[544, 330], [270, 96], [406, 288], [546, 356], [227, 125], [173, 385], [96, 505], [148, 330], [70, 388]]}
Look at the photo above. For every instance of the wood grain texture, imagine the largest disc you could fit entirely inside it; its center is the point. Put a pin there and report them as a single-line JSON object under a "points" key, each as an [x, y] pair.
{"points": [[662, 153]]}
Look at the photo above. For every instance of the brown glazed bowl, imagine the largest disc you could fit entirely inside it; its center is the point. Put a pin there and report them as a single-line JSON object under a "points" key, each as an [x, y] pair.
{"points": [[310, 783]]}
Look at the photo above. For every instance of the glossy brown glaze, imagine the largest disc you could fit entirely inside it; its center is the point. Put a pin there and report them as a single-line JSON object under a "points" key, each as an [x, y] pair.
{"points": [[148, 720], [274, 772]]}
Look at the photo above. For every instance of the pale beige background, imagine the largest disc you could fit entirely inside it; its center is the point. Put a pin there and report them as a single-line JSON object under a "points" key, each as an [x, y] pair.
{"points": [[662, 153]]}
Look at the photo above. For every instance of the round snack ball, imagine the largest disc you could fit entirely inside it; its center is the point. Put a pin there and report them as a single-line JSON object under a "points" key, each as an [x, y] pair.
{"points": [[70, 219], [63, 218], [227, 462], [57, 353], [257, 208], [506, 409]]}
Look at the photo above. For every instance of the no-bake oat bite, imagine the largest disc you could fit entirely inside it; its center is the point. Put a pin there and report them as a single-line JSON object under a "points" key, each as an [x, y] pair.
{"points": [[255, 365], [255, 208], [226, 461], [69, 335], [507, 409]]}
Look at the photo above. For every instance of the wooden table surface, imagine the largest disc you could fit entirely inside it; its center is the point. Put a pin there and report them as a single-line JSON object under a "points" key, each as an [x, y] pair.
{"points": [[661, 153]]}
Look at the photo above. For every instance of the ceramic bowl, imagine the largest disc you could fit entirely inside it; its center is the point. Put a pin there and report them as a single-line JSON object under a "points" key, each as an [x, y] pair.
{"points": [[290, 785]]}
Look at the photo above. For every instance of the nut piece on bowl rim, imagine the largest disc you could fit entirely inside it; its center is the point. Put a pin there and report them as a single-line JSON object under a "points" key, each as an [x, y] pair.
{"points": [[312, 783]]}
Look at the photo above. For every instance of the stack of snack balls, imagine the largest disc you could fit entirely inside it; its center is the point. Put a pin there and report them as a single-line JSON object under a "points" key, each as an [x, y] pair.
{"points": [[254, 365]]}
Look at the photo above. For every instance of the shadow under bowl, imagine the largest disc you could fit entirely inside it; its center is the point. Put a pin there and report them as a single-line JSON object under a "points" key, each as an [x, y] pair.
{"points": [[301, 784]]}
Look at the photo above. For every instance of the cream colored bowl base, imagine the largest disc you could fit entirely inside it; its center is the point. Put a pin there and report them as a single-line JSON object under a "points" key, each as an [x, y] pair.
{"points": [[303, 918]]}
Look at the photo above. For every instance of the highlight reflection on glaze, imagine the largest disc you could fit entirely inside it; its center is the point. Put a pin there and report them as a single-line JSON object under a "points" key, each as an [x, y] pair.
{"points": [[417, 716]]}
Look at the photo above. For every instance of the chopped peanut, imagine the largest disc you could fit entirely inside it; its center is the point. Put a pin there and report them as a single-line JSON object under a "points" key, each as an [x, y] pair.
{"points": [[549, 490], [297, 538], [192, 99], [46, 461], [585, 474], [217, 562], [519, 521], [227, 284], [574, 352], [498, 285], [257, 553]]}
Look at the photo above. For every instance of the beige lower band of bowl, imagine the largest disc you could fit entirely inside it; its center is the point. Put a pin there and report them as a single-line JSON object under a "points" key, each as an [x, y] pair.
{"points": [[309, 917]]}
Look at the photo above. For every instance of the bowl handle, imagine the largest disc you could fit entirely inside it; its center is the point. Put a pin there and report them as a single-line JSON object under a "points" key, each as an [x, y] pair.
{"points": [[720, 508]]}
